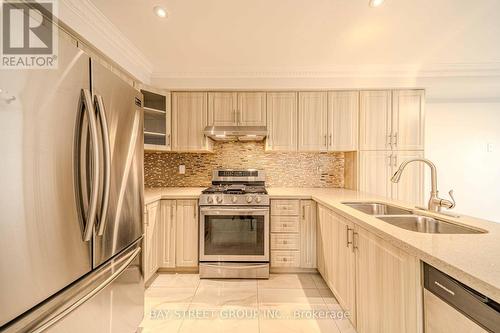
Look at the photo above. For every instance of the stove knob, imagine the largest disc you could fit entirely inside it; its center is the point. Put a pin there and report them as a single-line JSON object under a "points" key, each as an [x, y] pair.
{"points": [[234, 199], [249, 199], [219, 199], [210, 199], [258, 199]]}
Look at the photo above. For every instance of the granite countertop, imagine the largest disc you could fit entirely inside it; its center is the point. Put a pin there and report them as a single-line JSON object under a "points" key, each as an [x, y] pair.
{"points": [[472, 259]]}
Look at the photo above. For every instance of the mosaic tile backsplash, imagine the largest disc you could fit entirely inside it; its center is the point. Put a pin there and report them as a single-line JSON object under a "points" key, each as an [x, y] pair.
{"points": [[287, 169]]}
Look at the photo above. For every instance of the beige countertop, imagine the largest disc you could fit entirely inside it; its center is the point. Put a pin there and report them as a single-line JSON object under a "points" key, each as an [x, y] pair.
{"points": [[473, 259]]}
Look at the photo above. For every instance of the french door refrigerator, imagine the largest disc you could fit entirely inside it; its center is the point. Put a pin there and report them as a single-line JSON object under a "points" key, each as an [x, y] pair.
{"points": [[71, 201]]}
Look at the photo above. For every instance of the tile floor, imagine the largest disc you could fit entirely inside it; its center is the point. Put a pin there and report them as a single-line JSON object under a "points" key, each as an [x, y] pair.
{"points": [[284, 303]]}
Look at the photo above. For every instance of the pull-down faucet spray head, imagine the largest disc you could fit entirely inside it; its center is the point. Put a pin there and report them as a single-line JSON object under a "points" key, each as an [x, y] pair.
{"points": [[397, 176]]}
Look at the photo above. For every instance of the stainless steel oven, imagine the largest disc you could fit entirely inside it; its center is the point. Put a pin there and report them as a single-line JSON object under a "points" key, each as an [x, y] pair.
{"points": [[234, 226], [234, 234]]}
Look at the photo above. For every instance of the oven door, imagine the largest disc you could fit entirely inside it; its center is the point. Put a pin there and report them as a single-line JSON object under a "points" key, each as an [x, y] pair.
{"points": [[237, 234]]}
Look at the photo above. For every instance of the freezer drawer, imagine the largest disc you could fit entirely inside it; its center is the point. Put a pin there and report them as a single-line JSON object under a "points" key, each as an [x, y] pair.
{"points": [[109, 300], [450, 306]]}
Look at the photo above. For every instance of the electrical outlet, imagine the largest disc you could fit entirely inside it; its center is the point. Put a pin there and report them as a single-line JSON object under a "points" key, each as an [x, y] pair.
{"points": [[490, 147], [182, 169]]}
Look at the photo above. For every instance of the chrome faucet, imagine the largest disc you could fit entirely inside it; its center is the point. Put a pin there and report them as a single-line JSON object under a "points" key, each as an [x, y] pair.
{"points": [[435, 202]]}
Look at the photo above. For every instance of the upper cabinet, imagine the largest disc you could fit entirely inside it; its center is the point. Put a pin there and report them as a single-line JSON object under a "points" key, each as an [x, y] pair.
{"points": [[313, 127], [222, 108], [237, 108], [392, 120], [157, 120], [408, 119], [343, 114], [189, 118], [328, 121], [375, 120], [282, 121], [252, 109]]}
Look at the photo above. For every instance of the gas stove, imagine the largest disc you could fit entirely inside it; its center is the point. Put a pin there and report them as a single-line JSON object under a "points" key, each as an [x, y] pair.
{"points": [[236, 188], [234, 226]]}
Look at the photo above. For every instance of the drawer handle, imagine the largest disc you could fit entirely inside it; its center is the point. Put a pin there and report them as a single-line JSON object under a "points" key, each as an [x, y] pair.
{"points": [[285, 242], [284, 225], [285, 259], [444, 288]]}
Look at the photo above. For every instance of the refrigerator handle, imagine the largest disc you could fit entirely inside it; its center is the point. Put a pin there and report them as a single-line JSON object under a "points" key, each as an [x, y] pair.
{"points": [[88, 296], [89, 216], [99, 104]]}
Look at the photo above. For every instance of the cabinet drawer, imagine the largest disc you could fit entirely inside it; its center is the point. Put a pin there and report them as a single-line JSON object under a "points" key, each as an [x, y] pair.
{"points": [[285, 258], [285, 224], [285, 207], [285, 241]]}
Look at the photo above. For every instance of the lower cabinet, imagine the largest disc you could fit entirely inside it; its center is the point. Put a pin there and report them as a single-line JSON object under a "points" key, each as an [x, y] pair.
{"points": [[388, 289], [378, 283], [171, 235], [293, 234], [186, 248], [168, 233], [152, 225]]}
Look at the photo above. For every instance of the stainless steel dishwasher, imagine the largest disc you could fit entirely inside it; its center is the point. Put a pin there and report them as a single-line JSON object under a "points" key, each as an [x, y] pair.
{"points": [[451, 306]]}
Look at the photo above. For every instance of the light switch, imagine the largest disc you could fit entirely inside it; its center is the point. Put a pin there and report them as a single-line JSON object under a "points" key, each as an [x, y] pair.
{"points": [[490, 147], [182, 169]]}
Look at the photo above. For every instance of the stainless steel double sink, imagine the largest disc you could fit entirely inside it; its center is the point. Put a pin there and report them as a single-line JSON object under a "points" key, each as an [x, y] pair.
{"points": [[409, 219]]}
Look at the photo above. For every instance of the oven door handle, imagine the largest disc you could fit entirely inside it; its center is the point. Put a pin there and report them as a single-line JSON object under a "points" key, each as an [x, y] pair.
{"points": [[233, 210]]}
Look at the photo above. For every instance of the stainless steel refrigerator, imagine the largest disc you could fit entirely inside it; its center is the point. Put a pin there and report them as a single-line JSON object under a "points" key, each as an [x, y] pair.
{"points": [[71, 198]]}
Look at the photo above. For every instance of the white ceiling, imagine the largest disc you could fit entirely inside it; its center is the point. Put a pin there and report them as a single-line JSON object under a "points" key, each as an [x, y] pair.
{"points": [[283, 36]]}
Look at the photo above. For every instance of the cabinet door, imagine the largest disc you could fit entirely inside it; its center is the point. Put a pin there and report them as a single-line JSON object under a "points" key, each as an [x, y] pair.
{"points": [[186, 254], [408, 119], [222, 108], [343, 112], [343, 261], [313, 125], [375, 120], [308, 234], [411, 186], [320, 239], [388, 291], [282, 121], [251, 109], [168, 233], [153, 215], [189, 118], [375, 168]]}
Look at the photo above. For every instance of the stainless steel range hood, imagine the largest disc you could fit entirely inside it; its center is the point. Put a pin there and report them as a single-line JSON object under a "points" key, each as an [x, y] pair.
{"points": [[233, 133]]}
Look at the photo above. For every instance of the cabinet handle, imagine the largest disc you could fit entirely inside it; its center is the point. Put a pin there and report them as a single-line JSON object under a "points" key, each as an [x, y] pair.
{"points": [[330, 140], [395, 163], [168, 140], [325, 141], [284, 225], [195, 211], [354, 243], [389, 160], [285, 259], [389, 140], [347, 229], [304, 213], [285, 242], [396, 139]]}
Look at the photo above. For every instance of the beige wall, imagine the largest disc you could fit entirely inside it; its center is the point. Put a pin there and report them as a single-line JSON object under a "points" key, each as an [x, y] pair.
{"points": [[457, 134]]}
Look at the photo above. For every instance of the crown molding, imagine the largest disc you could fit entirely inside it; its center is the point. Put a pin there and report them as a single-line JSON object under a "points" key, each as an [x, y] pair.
{"points": [[365, 71], [88, 21]]}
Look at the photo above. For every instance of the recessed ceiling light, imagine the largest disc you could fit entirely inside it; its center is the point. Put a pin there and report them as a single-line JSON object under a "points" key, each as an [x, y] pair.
{"points": [[160, 11], [376, 3]]}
